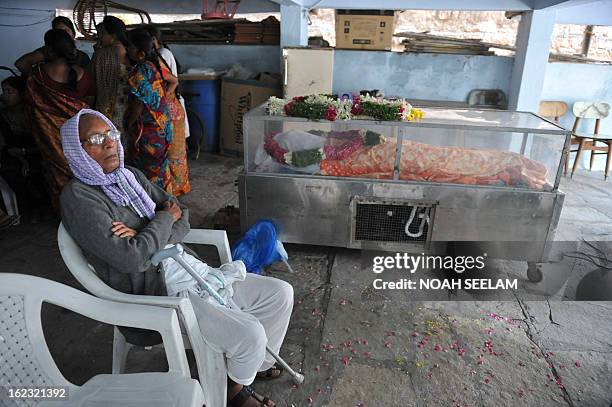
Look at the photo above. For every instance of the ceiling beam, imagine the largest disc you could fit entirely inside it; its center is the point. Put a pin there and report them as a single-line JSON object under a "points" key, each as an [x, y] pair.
{"points": [[482, 5], [559, 4], [594, 13]]}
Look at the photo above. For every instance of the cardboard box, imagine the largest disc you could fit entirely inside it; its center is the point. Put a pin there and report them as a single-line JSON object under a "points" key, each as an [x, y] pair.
{"points": [[237, 98], [365, 29]]}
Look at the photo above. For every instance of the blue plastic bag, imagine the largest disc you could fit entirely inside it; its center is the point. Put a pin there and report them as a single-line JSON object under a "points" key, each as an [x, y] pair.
{"points": [[259, 247]]}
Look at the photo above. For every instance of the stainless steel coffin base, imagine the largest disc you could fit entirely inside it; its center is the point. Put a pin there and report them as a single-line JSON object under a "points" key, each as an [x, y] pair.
{"points": [[505, 223]]}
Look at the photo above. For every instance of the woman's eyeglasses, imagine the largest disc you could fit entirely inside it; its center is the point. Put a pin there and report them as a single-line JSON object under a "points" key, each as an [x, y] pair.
{"points": [[98, 138]]}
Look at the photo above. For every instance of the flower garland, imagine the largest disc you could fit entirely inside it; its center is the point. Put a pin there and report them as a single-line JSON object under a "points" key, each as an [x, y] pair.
{"points": [[344, 144], [319, 107]]}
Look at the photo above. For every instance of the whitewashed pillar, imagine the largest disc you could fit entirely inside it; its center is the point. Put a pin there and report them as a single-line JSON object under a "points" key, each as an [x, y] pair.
{"points": [[532, 49]]}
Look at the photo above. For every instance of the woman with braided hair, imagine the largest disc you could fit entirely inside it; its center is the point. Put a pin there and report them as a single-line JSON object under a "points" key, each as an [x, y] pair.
{"points": [[111, 67], [56, 89]]}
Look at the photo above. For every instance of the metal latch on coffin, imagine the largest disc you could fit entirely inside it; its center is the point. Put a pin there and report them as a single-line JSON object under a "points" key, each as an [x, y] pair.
{"points": [[424, 216]]}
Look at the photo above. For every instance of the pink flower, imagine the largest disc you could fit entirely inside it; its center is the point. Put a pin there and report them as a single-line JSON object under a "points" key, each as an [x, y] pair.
{"points": [[288, 108], [331, 114], [356, 108], [577, 364]]}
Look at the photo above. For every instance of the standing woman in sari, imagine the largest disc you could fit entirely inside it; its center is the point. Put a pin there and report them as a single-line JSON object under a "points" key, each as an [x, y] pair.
{"points": [[56, 90], [147, 120], [111, 68], [177, 151]]}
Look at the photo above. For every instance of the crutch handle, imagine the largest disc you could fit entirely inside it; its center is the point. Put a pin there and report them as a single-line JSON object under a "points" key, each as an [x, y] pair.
{"points": [[177, 249]]}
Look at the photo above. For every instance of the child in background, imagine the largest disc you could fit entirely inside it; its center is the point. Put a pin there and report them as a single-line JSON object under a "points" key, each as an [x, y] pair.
{"points": [[19, 158]]}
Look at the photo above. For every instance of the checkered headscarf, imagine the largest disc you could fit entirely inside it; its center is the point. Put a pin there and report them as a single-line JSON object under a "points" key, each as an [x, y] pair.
{"points": [[121, 185]]}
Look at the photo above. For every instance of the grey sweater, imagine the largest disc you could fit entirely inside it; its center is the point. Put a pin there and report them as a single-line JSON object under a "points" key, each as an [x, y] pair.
{"points": [[122, 263]]}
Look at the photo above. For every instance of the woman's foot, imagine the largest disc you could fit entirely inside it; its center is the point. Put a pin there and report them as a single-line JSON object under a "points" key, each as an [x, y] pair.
{"points": [[244, 396], [274, 372]]}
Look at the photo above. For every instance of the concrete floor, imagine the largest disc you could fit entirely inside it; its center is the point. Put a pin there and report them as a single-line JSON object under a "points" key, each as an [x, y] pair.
{"points": [[360, 347]]}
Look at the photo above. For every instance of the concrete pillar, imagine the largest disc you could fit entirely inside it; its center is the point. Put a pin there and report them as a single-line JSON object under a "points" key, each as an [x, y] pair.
{"points": [[294, 26], [532, 49]]}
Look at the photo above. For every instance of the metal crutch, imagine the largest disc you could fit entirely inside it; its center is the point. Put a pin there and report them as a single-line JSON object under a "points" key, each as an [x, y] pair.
{"points": [[176, 252]]}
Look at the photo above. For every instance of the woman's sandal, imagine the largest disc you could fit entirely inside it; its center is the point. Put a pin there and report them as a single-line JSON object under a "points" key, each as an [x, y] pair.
{"points": [[270, 374], [7, 221], [243, 396]]}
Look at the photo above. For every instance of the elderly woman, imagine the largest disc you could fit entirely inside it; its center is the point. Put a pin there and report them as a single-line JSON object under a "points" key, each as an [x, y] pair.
{"points": [[121, 219]]}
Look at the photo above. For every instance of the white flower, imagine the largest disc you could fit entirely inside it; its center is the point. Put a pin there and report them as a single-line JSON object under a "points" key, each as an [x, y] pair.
{"points": [[343, 109], [322, 99], [276, 106]]}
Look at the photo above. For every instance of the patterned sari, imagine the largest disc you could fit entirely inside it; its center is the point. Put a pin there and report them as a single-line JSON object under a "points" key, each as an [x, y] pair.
{"points": [[149, 142], [50, 104], [177, 151]]}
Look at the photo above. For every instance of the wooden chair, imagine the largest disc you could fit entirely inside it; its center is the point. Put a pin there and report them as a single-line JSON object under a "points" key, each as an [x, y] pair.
{"points": [[553, 110], [589, 141]]}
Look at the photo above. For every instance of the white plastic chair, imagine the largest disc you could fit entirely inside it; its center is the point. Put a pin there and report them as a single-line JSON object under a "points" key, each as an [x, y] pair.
{"points": [[211, 364], [27, 362]]}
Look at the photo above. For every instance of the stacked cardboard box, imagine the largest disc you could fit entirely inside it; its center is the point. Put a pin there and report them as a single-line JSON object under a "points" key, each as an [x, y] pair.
{"points": [[237, 98], [365, 29]]}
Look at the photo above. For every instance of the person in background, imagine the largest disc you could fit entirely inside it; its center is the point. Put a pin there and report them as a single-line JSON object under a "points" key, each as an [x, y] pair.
{"points": [[168, 56], [27, 61], [177, 151], [147, 120], [111, 67], [19, 157], [56, 90], [6, 221]]}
